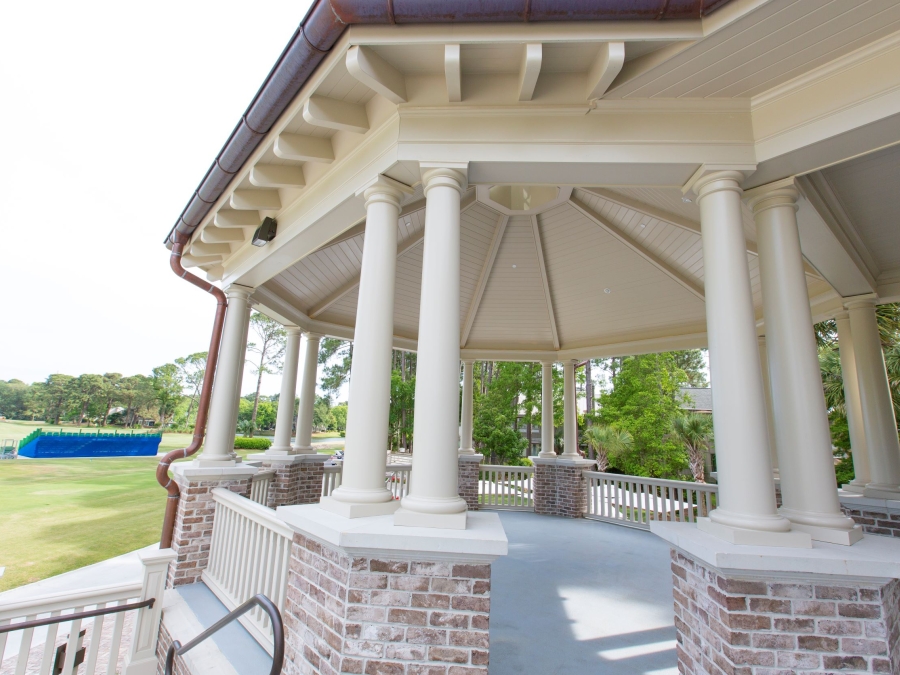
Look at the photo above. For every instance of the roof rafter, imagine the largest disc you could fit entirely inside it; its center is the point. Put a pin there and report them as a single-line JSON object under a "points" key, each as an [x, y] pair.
{"points": [[688, 284], [483, 279], [530, 69], [540, 255]]}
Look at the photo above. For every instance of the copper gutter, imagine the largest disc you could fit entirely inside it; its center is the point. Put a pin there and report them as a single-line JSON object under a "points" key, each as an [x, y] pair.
{"points": [[162, 470]]}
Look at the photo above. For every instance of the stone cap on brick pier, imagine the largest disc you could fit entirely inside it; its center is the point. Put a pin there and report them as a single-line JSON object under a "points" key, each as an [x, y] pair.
{"points": [[873, 557], [482, 541]]}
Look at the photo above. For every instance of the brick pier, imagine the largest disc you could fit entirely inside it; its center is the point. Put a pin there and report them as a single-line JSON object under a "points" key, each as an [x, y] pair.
{"points": [[559, 487], [297, 480], [469, 467]]}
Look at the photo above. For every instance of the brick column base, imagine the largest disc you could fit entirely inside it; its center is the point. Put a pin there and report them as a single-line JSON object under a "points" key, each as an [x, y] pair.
{"points": [[297, 480], [559, 487], [877, 516], [469, 468], [761, 625], [368, 597], [196, 511]]}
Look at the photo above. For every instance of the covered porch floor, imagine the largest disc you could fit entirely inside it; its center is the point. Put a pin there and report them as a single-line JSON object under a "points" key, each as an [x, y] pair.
{"points": [[576, 596]]}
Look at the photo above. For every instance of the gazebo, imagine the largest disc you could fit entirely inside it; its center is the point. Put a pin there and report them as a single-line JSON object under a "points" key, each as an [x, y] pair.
{"points": [[551, 182]]}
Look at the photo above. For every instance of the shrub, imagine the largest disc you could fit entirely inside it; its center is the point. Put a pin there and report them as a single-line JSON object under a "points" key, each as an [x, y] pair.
{"points": [[241, 443]]}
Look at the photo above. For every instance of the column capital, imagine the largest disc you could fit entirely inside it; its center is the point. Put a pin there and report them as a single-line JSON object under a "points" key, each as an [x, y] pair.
{"points": [[468, 361], [780, 193], [548, 363], [446, 174], [711, 178], [293, 330], [312, 336], [842, 315], [859, 301], [384, 189], [237, 291]]}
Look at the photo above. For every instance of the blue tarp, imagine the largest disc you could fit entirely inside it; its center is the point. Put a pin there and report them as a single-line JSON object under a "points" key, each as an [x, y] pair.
{"points": [[105, 445]]}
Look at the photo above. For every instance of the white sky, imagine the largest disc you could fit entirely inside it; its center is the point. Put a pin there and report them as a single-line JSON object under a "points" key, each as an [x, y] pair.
{"points": [[111, 113]]}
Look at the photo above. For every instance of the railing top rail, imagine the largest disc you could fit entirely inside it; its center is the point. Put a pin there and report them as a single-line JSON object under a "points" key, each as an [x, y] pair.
{"points": [[22, 625], [262, 475], [506, 467], [398, 467], [658, 482], [277, 629], [331, 468], [53, 602], [250, 509]]}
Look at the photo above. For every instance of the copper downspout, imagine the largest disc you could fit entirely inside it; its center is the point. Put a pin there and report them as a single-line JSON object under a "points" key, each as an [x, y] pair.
{"points": [[162, 471]]}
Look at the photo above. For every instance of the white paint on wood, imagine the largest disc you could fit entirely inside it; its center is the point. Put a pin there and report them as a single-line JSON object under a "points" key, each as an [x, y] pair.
{"points": [[483, 278], [276, 176], [221, 235], [452, 73], [304, 148], [333, 113], [529, 70], [231, 218], [381, 77], [255, 200], [544, 280], [605, 68]]}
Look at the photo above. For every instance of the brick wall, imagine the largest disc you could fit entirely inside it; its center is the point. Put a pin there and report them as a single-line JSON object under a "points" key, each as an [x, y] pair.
{"points": [[559, 490], [736, 626], [467, 481], [296, 482], [874, 522], [384, 617], [194, 524], [162, 647]]}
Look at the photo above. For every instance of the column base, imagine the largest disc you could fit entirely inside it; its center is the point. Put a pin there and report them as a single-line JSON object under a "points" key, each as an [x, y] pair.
{"points": [[830, 535], [855, 488], [881, 492], [213, 463], [350, 510], [441, 521], [303, 450], [744, 537]]}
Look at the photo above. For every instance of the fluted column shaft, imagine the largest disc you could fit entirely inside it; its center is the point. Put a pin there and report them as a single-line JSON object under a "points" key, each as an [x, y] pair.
{"points": [[803, 438], [362, 491], [433, 500], [465, 434], [218, 450], [746, 491], [547, 429], [303, 437], [853, 406], [875, 396], [284, 421]]}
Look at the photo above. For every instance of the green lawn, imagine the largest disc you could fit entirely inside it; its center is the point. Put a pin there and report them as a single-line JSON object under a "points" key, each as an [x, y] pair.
{"points": [[58, 515]]}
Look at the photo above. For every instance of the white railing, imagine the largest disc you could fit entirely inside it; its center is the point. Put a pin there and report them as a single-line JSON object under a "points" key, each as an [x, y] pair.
{"points": [[108, 643], [506, 487], [397, 479], [249, 554], [259, 486], [635, 501], [331, 479]]}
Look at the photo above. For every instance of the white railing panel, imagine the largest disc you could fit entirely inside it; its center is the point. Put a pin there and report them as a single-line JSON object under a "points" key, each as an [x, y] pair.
{"points": [[636, 501], [509, 488], [397, 479], [331, 479], [249, 554], [259, 486]]}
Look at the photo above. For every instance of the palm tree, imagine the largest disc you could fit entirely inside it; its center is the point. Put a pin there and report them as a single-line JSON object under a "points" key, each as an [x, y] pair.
{"points": [[607, 442], [694, 430]]}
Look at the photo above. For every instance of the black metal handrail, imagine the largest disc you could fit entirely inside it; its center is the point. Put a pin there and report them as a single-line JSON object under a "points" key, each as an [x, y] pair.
{"points": [[77, 616], [176, 649]]}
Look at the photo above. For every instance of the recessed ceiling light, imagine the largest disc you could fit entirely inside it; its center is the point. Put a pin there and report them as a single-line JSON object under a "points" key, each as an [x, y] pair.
{"points": [[514, 267], [607, 290], [643, 224], [686, 200]]}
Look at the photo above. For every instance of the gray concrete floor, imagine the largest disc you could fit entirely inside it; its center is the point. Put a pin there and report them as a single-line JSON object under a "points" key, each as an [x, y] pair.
{"points": [[577, 597]]}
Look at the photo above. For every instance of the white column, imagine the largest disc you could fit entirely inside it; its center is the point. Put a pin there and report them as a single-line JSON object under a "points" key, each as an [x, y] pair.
{"points": [[362, 491], [465, 434], [218, 450], [236, 408], [570, 413], [767, 390], [285, 419], [303, 437], [746, 511], [547, 449], [875, 396], [433, 500], [852, 405], [803, 438]]}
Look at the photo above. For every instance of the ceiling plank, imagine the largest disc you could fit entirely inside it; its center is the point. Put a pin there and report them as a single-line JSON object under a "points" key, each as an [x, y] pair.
{"points": [[331, 113], [453, 73], [277, 176], [689, 284], [530, 69], [376, 73], [483, 279], [605, 68], [545, 280], [304, 148]]}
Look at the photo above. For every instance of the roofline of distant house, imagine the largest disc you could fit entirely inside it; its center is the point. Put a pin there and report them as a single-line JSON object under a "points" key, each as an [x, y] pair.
{"points": [[327, 20]]}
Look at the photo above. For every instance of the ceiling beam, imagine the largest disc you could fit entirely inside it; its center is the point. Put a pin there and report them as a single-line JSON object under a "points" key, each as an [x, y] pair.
{"points": [[331, 113], [545, 280], [605, 68], [453, 73], [255, 200], [277, 176], [304, 148], [483, 279], [529, 70], [368, 67], [689, 284]]}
